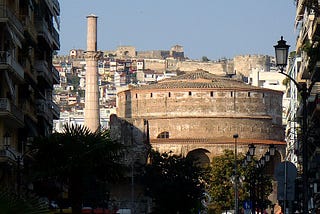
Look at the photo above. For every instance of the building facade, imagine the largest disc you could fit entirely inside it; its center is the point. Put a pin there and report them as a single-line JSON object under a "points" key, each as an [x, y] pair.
{"points": [[198, 113], [307, 143], [28, 38]]}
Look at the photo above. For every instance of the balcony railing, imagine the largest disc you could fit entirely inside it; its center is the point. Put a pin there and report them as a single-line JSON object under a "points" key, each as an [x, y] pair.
{"points": [[51, 37], [55, 75], [7, 60], [53, 6], [303, 71], [42, 68], [44, 110], [6, 107], [55, 110], [29, 27], [56, 39], [43, 30], [42, 107]]}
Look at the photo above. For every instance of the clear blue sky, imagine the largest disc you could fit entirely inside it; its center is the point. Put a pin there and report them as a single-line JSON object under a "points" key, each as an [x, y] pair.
{"points": [[209, 28]]}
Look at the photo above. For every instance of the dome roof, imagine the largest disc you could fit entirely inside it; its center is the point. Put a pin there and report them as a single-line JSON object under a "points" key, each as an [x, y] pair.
{"points": [[199, 79]]}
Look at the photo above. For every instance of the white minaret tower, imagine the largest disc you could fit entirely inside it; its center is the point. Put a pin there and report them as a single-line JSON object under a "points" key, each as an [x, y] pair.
{"points": [[91, 110]]}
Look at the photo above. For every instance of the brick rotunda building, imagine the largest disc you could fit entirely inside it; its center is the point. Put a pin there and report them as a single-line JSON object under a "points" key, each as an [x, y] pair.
{"points": [[198, 113]]}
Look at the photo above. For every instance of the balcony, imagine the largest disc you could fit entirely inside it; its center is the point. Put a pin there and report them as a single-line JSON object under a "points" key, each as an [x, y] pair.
{"points": [[30, 110], [55, 75], [29, 27], [8, 62], [303, 71], [56, 39], [42, 109], [300, 9], [44, 74], [7, 16], [315, 107], [51, 37], [55, 110], [11, 113], [54, 6]]}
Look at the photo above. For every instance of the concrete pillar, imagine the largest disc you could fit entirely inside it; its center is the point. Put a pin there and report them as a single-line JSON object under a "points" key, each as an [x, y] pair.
{"points": [[91, 111]]}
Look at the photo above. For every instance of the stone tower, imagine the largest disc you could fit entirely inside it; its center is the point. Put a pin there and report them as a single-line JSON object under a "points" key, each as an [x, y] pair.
{"points": [[91, 111]]}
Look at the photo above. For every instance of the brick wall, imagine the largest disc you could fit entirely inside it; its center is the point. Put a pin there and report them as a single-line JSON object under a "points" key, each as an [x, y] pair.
{"points": [[202, 113]]}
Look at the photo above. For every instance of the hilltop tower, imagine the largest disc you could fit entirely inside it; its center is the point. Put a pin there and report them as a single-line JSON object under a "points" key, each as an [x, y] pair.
{"points": [[91, 111]]}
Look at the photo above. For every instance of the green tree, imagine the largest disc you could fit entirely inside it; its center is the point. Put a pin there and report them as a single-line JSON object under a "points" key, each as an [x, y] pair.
{"points": [[205, 59], [75, 157], [74, 80], [175, 183], [222, 186], [22, 203]]}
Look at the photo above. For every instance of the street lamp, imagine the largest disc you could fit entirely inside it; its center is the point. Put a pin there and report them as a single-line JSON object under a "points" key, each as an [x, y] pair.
{"points": [[281, 51], [255, 180], [236, 204], [17, 157], [6, 139]]}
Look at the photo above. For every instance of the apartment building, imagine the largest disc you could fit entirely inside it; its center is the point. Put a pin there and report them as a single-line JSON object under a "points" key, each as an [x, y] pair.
{"points": [[28, 38], [307, 144], [292, 125]]}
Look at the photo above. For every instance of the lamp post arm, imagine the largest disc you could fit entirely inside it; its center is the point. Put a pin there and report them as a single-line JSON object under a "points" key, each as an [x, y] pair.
{"points": [[12, 153], [19, 157], [27, 152], [299, 86]]}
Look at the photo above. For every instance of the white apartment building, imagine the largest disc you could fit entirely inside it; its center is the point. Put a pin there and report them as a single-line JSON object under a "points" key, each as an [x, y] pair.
{"points": [[292, 125], [77, 118], [273, 80]]}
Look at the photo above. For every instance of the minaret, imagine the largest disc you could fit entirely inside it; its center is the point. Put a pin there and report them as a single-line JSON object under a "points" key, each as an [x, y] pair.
{"points": [[91, 110]]}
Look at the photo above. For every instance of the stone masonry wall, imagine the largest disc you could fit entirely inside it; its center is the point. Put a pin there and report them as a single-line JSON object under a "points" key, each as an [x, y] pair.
{"points": [[205, 113], [214, 128], [244, 63], [241, 64]]}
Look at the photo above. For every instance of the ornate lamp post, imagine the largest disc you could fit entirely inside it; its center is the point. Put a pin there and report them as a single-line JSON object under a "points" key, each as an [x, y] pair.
{"points": [[17, 157], [281, 51], [256, 195]]}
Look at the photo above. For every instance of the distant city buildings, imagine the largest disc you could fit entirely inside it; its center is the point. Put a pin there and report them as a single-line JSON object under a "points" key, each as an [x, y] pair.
{"points": [[120, 68]]}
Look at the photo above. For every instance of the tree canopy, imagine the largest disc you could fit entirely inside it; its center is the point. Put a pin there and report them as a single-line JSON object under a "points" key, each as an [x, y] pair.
{"points": [[222, 186], [175, 183], [205, 59], [77, 156]]}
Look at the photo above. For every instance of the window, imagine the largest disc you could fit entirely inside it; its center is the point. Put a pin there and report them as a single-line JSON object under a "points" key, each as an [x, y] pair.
{"points": [[211, 94], [190, 93], [248, 94], [163, 135], [169, 94], [150, 94]]}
